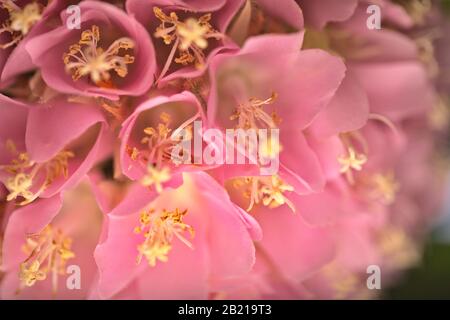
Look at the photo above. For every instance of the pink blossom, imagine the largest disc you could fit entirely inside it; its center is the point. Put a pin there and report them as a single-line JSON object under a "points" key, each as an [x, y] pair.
{"points": [[172, 24], [151, 134], [272, 67], [28, 247], [198, 242], [39, 162], [128, 54]]}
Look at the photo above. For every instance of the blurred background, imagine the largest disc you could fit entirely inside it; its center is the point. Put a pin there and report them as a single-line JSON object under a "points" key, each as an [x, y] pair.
{"points": [[430, 279]]}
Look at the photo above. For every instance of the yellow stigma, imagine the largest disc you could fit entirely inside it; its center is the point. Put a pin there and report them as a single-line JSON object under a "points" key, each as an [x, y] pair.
{"points": [[87, 59], [351, 161], [155, 177], [159, 229], [20, 21], [189, 38], [251, 115], [270, 191], [24, 172], [48, 252], [159, 143], [385, 187]]}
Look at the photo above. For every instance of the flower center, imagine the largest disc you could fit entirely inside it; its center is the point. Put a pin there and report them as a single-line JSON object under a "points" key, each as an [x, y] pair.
{"points": [[251, 115], [156, 177], [87, 59], [158, 229], [385, 187], [20, 21], [266, 190], [25, 173], [351, 161], [397, 247], [48, 252], [160, 142], [189, 38]]}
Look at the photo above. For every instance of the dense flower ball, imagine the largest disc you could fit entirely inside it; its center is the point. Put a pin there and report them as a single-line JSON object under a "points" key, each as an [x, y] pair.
{"points": [[268, 149]]}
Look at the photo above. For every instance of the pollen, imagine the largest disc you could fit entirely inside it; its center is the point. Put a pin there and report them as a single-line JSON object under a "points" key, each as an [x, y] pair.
{"points": [[159, 229], [86, 58], [20, 21], [48, 252], [189, 37], [24, 183], [268, 191]]}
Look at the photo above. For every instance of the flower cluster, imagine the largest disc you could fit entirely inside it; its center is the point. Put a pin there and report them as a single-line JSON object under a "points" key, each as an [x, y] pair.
{"points": [[115, 118]]}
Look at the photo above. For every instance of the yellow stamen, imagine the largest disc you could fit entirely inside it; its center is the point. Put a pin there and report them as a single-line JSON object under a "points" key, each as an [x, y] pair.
{"points": [[159, 228], [189, 38], [48, 252], [270, 191], [160, 142], [351, 161], [252, 116], [24, 171], [20, 21], [87, 59]]}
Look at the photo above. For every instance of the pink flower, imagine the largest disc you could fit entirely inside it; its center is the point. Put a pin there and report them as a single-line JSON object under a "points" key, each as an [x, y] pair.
{"points": [[271, 84], [44, 239], [220, 149], [194, 228], [21, 22], [186, 34], [48, 148], [153, 133], [111, 55]]}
